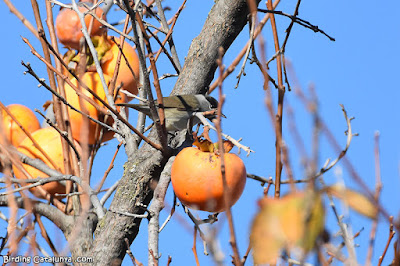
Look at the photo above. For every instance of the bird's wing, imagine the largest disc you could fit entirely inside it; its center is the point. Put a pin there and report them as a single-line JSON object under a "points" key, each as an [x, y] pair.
{"points": [[183, 103]]}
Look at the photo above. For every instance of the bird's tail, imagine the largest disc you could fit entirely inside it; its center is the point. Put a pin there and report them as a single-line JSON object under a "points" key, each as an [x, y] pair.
{"points": [[139, 107]]}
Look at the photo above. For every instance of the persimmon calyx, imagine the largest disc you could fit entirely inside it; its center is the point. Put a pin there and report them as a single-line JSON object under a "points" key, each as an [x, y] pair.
{"points": [[207, 146]]}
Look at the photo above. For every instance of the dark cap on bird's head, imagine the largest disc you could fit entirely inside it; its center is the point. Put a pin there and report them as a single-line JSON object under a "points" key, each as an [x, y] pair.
{"points": [[213, 102]]}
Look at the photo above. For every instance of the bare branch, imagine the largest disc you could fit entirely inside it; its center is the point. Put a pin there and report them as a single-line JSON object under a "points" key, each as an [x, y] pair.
{"points": [[298, 20], [23, 19], [60, 219], [155, 208]]}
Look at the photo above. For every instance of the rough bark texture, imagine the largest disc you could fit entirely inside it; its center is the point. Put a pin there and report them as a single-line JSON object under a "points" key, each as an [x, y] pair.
{"points": [[132, 196], [225, 21], [80, 235]]}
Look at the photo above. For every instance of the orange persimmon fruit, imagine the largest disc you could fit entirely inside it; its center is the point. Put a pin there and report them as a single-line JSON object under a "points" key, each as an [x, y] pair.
{"points": [[68, 25], [92, 81], [24, 116], [125, 76], [108, 49], [49, 141], [197, 180]]}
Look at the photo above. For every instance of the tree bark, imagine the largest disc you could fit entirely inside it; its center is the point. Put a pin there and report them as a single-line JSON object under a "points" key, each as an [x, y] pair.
{"points": [[132, 196], [225, 21]]}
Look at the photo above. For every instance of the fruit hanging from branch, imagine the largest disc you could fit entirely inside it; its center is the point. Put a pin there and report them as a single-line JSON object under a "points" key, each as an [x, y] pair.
{"points": [[49, 141], [89, 131], [69, 27], [128, 73], [108, 49], [197, 179], [25, 117]]}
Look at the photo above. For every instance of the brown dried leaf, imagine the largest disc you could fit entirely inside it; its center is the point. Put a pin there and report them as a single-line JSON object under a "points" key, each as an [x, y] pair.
{"points": [[207, 146], [265, 239], [228, 145], [204, 145], [355, 200], [314, 219], [47, 104], [295, 220]]}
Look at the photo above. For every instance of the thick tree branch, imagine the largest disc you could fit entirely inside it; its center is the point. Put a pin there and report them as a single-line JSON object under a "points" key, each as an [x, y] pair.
{"points": [[61, 220], [224, 23], [155, 208], [132, 196]]}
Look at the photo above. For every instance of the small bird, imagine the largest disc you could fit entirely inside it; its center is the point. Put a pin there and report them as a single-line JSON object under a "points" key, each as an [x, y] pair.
{"points": [[179, 109]]}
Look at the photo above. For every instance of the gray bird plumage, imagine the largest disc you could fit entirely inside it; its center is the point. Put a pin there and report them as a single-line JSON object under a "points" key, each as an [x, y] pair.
{"points": [[179, 109]]}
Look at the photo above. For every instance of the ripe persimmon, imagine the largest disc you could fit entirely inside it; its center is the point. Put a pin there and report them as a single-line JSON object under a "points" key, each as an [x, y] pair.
{"points": [[24, 116], [68, 25], [50, 141], [92, 81], [125, 76], [197, 180], [107, 49]]}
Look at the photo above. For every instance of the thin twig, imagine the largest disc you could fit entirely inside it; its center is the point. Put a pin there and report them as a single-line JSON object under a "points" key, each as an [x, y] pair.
{"points": [[109, 193], [23, 19], [164, 24], [110, 167], [378, 188], [239, 57], [328, 165], [196, 223], [261, 179], [170, 215], [244, 259], [298, 20], [129, 251], [267, 77], [168, 36], [391, 235], [111, 27], [64, 135], [279, 114], [252, 24], [286, 163], [194, 246], [335, 254], [162, 48], [44, 234], [42, 83]]}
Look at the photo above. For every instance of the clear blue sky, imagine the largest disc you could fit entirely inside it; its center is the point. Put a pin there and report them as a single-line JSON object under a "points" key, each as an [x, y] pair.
{"points": [[358, 70]]}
